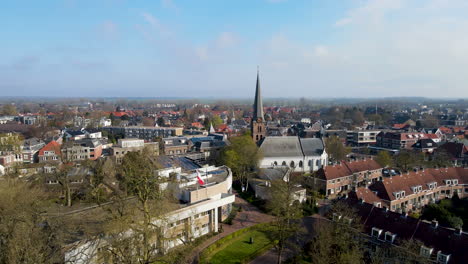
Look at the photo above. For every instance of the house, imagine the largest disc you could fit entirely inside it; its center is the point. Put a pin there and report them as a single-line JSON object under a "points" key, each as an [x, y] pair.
{"points": [[30, 150], [413, 190], [50, 152], [457, 151], [347, 175], [384, 228], [426, 145], [175, 145], [127, 145], [261, 183], [302, 154], [82, 149]]}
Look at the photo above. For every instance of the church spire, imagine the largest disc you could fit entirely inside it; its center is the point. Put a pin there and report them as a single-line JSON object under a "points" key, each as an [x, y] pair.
{"points": [[258, 105]]}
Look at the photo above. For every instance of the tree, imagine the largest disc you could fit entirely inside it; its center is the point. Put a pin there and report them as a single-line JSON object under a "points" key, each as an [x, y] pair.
{"points": [[216, 120], [335, 148], [136, 229], [287, 211], [406, 159], [440, 158], [25, 236], [242, 156], [160, 121], [337, 241], [9, 110], [384, 158]]}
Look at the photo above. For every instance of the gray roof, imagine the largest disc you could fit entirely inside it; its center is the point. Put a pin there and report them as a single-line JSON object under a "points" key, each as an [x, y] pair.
{"points": [[312, 146], [258, 105], [272, 174], [281, 147], [291, 147]]}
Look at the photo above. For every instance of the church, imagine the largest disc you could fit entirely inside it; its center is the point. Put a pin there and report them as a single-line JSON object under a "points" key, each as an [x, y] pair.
{"points": [[300, 154]]}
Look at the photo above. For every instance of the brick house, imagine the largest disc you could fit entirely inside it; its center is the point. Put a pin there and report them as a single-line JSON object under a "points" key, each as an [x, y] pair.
{"points": [[50, 152], [348, 175], [413, 190]]}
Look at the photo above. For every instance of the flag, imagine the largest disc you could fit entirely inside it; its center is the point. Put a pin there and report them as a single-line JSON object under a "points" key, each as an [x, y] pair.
{"points": [[200, 181]]}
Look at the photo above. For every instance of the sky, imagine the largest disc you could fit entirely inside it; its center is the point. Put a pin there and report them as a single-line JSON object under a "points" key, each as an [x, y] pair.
{"points": [[211, 48]]}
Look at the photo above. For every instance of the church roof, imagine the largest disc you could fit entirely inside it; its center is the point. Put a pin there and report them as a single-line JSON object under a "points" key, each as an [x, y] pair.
{"points": [[312, 146], [291, 147], [258, 105]]}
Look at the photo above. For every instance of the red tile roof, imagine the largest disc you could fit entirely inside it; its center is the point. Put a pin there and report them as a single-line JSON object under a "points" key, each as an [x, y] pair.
{"points": [[51, 146], [348, 168]]}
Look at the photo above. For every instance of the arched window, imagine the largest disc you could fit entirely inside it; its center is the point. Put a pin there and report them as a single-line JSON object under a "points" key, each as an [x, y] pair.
{"points": [[317, 163], [300, 164], [261, 137], [284, 163], [256, 137], [310, 163], [291, 164], [275, 163]]}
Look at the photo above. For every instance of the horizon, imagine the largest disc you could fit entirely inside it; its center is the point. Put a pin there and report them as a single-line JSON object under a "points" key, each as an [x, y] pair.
{"points": [[173, 49]]}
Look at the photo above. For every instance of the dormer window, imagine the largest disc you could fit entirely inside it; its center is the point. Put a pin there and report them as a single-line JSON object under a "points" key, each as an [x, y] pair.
{"points": [[448, 182], [442, 258], [376, 232], [389, 237], [454, 182], [425, 251], [402, 194]]}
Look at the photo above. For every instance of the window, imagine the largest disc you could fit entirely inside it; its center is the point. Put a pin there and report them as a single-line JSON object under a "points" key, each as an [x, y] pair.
{"points": [[376, 232], [448, 182], [454, 182], [389, 237], [442, 258], [292, 164], [425, 251], [300, 164]]}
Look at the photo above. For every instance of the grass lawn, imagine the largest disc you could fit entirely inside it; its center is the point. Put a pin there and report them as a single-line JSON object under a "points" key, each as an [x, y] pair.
{"points": [[239, 248]]}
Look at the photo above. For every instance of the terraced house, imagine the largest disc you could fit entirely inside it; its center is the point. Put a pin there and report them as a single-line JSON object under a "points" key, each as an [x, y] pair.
{"points": [[347, 175], [413, 190]]}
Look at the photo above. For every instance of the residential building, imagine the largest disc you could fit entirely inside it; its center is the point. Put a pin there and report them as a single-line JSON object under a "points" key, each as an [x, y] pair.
{"points": [[175, 145], [82, 149], [146, 133], [261, 183], [413, 190], [30, 150], [384, 228], [362, 137], [50, 152], [130, 145], [399, 140], [345, 176], [426, 145]]}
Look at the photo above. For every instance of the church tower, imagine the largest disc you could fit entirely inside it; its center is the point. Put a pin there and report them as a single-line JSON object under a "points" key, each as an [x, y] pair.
{"points": [[258, 121]]}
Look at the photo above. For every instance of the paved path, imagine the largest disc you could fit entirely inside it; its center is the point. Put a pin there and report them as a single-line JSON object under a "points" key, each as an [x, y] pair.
{"points": [[250, 215]]}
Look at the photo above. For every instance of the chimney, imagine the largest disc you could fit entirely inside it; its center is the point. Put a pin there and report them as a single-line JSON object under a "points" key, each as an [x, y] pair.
{"points": [[434, 223]]}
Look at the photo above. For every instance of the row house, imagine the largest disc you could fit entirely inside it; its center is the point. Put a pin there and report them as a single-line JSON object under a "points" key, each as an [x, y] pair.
{"points": [[413, 190], [347, 175], [383, 228]]}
